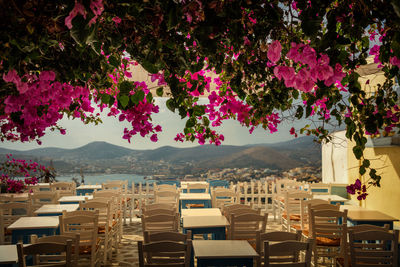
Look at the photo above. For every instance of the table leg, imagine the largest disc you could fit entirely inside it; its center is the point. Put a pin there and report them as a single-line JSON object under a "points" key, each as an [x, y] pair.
{"points": [[248, 262]]}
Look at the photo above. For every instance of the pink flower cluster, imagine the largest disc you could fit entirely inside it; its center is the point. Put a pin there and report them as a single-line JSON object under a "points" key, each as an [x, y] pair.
{"points": [[358, 188], [311, 68], [19, 168], [96, 6], [39, 104]]}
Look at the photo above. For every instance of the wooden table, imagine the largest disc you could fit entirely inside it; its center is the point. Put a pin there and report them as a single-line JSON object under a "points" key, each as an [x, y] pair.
{"points": [[87, 189], [55, 209], [201, 212], [333, 198], [366, 216], [194, 198], [26, 226], [8, 254], [73, 199], [351, 207], [214, 225], [224, 253]]}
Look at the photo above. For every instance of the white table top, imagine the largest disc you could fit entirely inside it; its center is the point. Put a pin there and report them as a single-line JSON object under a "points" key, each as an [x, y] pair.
{"points": [[89, 186], [369, 215], [8, 254], [56, 208], [223, 249], [201, 212], [194, 196], [204, 221], [74, 198], [35, 223], [335, 198], [185, 184]]}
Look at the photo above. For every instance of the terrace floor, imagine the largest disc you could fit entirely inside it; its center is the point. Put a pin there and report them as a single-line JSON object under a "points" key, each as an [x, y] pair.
{"points": [[127, 254]]}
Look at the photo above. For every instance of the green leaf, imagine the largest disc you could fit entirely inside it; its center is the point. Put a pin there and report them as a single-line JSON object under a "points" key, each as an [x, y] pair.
{"points": [[105, 98], [362, 170], [190, 123], [366, 163], [123, 100], [114, 61], [150, 67], [125, 87], [170, 105], [149, 97], [357, 152], [137, 97], [160, 91]]}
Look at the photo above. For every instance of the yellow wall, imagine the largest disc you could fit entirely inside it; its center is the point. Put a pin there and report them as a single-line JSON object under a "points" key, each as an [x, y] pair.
{"points": [[386, 160]]}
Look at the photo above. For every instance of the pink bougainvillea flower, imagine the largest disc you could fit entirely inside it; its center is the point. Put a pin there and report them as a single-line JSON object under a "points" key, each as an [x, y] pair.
{"points": [[274, 51]]}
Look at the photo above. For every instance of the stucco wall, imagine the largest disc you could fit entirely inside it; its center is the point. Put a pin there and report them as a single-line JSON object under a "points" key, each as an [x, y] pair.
{"points": [[386, 160], [334, 160]]}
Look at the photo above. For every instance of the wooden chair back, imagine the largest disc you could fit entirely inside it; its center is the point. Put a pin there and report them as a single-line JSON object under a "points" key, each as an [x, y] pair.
{"points": [[158, 211], [160, 223], [154, 253], [275, 236], [227, 210], [85, 223], [195, 187], [286, 253], [166, 236], [166, 197], [223, 197], [291, 207], [246, 226], [40, 198], [64, 188], [382, 252], [304, 222], [329, 230], [156, 206], [63, 239], [50, 249], [9, 213]]}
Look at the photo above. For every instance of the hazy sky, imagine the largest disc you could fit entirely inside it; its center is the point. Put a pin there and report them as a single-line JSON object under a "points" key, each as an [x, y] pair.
{"points": [[111, 131]]}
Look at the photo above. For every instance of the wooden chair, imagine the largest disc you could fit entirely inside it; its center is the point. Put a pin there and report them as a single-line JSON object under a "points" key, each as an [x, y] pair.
{"points": [[86, 224], [227, 210], [9, 213], [224, 197], [304, 206], [364, 252], [63, 239], [160, 223], [329, 230], [275, 236], [166, 197], [246, 226], [156, 206], [64, 188], [290, 214], [281, 186], [154, 253], [286, 253], [40, 198], [152, 212], [107, 226], [197, 188], [127, 201], [48, 249], [117, 206], [166, 236]]}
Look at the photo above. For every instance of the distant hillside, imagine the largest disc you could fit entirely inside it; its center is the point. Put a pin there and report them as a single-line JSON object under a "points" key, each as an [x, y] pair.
{"points": [[284, 155]]}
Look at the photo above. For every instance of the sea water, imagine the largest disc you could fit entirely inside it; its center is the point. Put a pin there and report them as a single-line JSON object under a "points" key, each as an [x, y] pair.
{"points": [[101, 178]]}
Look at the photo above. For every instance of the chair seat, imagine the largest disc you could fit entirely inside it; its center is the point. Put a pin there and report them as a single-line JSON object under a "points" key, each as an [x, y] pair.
{"points": [[102, 228], [195, 205], [329, 242], [87, 249], [293, 217]]}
